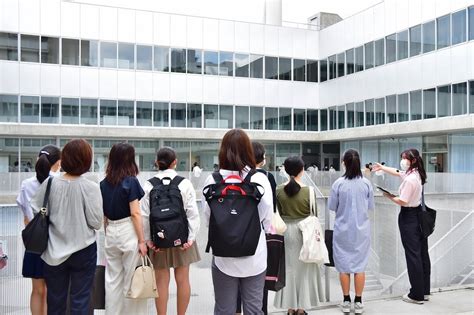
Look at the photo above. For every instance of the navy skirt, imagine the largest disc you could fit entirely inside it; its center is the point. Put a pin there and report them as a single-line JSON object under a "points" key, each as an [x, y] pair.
{"points": [[33, 266]]}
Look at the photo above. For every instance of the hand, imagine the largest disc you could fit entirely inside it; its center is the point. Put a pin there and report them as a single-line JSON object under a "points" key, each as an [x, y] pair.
{"points": [[376, 167], [389, 196], [142, 249], [187, 245], [25, 220], [152, 246]]}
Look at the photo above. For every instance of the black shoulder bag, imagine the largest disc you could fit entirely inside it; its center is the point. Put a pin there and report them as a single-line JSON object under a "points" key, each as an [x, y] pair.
{"points": [[427, 217], [36, 233]]}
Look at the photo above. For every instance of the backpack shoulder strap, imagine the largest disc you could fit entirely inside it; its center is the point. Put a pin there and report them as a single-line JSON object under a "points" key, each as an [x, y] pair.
{"points": [[177, 180], [155, 181], [249, 175], [261, 170], [217, 177]]}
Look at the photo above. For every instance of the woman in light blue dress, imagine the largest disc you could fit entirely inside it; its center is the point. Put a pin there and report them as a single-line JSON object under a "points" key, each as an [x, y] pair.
{"points": [[351, 197]]}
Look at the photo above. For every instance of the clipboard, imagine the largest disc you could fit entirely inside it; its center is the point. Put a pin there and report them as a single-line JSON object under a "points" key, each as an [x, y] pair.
{"points": [[385, 191]]}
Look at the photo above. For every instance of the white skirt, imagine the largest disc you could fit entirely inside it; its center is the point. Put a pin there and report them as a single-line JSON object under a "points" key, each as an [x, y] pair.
{"points": [[303, 287]]}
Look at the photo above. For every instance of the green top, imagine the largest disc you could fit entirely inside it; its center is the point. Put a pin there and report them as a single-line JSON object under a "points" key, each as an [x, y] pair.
{"points": [[294, 207]]}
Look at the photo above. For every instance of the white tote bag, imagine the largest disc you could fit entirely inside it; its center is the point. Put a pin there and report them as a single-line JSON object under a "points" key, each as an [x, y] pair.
{"points": [[143, 285], [277, 223], [314, 248]]}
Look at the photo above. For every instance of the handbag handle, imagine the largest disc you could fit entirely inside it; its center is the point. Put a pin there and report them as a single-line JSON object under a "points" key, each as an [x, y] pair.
{"points": [[423, 206], [44, 208], [312, 202]]}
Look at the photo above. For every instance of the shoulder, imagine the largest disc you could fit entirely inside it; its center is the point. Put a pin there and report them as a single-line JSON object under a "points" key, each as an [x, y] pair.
{"points": [[31, 182], [366, 181], [259, 177], [87, 183], [338, 182]]}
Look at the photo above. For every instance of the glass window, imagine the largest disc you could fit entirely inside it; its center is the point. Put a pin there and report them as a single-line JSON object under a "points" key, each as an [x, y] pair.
{"points": [[359, 59], [70, 110], [350, 115], [312, 120], [460, 98], [471, 23], [324, 119], [379, 46], [391, 101], [271, 118], [49, 50], [471, 97], [8, 108], [429, 103], [332, 67], [241, 65], [332, 118], [369, 113], [256, 66], [341, 117], [178, 112], [144, 112], [49, 110], [299, 119], [194, 61], [350, 61], [29, 48], [29, 109], [256, 118], [144, 57], [89, 53], [415, 40], [108, 112], [194, 116], [380, 111], [391, 48], [285, 118], [369, 55], [161, 59], [312, 71], [226, 116], [70, 51], [340, 64], [211, 61], [458, 33], [226, 63], [161, 114], [125, 113], [271, 67], [402, 45], [323, 70], [299, 70], [429, 36], [402, 104], [415, 105], [443, 31], [108, 55], [284, 68], [242, 117], [126, 56], [88, 111], [444, 101], [359, 114], [8, 46], [178, 64], [211, 114]]}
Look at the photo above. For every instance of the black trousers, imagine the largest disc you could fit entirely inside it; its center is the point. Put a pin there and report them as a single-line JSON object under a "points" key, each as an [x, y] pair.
{"points": [[416, 252]]}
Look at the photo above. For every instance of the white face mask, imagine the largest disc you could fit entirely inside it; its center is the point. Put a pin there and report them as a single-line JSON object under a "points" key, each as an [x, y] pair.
{"points": [[404, 164]]}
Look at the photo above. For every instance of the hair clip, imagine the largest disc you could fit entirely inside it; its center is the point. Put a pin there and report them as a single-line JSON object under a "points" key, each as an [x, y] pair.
{"points": [[44, 152]]}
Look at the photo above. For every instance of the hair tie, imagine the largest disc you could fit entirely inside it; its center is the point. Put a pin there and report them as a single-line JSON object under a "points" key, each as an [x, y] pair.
{"points": [[44, 152]]}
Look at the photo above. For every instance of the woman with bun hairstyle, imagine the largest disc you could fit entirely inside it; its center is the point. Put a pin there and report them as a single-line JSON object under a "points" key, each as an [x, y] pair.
{"points": [[47, 164], [178, 258]]}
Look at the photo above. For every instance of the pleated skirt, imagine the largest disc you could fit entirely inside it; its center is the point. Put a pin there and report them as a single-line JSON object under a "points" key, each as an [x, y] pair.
{"points": [[175, 257], [303, 280]]}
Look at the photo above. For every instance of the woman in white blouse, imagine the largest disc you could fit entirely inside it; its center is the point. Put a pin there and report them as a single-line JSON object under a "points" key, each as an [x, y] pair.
{"points": [[178, 258]]}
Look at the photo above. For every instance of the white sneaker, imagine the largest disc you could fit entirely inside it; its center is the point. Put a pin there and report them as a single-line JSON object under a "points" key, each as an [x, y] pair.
{"points": [[358, 308], [407, 299], [426, 297], [345, 307]]}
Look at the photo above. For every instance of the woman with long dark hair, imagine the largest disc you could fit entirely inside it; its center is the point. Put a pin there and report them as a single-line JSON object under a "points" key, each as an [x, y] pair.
{"points": [[247, 273], [413, 176], [303, 282], [124, 239], [47, 164], [351, 197]]}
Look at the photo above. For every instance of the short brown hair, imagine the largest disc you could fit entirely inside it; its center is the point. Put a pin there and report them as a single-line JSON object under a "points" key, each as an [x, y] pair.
{"points": [[76, 157], [236, 151]]}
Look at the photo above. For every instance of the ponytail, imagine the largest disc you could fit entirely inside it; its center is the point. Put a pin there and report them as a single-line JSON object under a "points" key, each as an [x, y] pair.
{"points": [[42, 168], [292, 188]]}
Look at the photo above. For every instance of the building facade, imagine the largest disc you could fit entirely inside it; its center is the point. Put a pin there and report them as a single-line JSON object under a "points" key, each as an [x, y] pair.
{"points": [[396, 75]]}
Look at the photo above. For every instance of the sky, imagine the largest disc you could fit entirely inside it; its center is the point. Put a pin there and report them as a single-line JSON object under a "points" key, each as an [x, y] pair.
{"points": [[244, 10]]}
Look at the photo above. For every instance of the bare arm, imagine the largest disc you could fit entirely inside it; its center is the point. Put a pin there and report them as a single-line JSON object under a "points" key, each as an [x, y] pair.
{"points": [[396, 200], [138, 226], [389, 170]]}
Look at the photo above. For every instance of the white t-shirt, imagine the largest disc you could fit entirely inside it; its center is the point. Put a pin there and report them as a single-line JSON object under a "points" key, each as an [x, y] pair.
{"points": [[410, 188]]}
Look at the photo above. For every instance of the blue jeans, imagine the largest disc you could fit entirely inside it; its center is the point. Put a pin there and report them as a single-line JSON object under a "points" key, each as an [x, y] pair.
{"points": [[75, 275]]}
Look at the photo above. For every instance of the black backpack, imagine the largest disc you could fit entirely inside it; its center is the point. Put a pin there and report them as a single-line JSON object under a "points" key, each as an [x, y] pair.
{"points": [[168, 221], [234, 223]]}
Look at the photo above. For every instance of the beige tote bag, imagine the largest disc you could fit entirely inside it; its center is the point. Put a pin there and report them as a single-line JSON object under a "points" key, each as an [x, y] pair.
{"points": [[143, 285]]}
